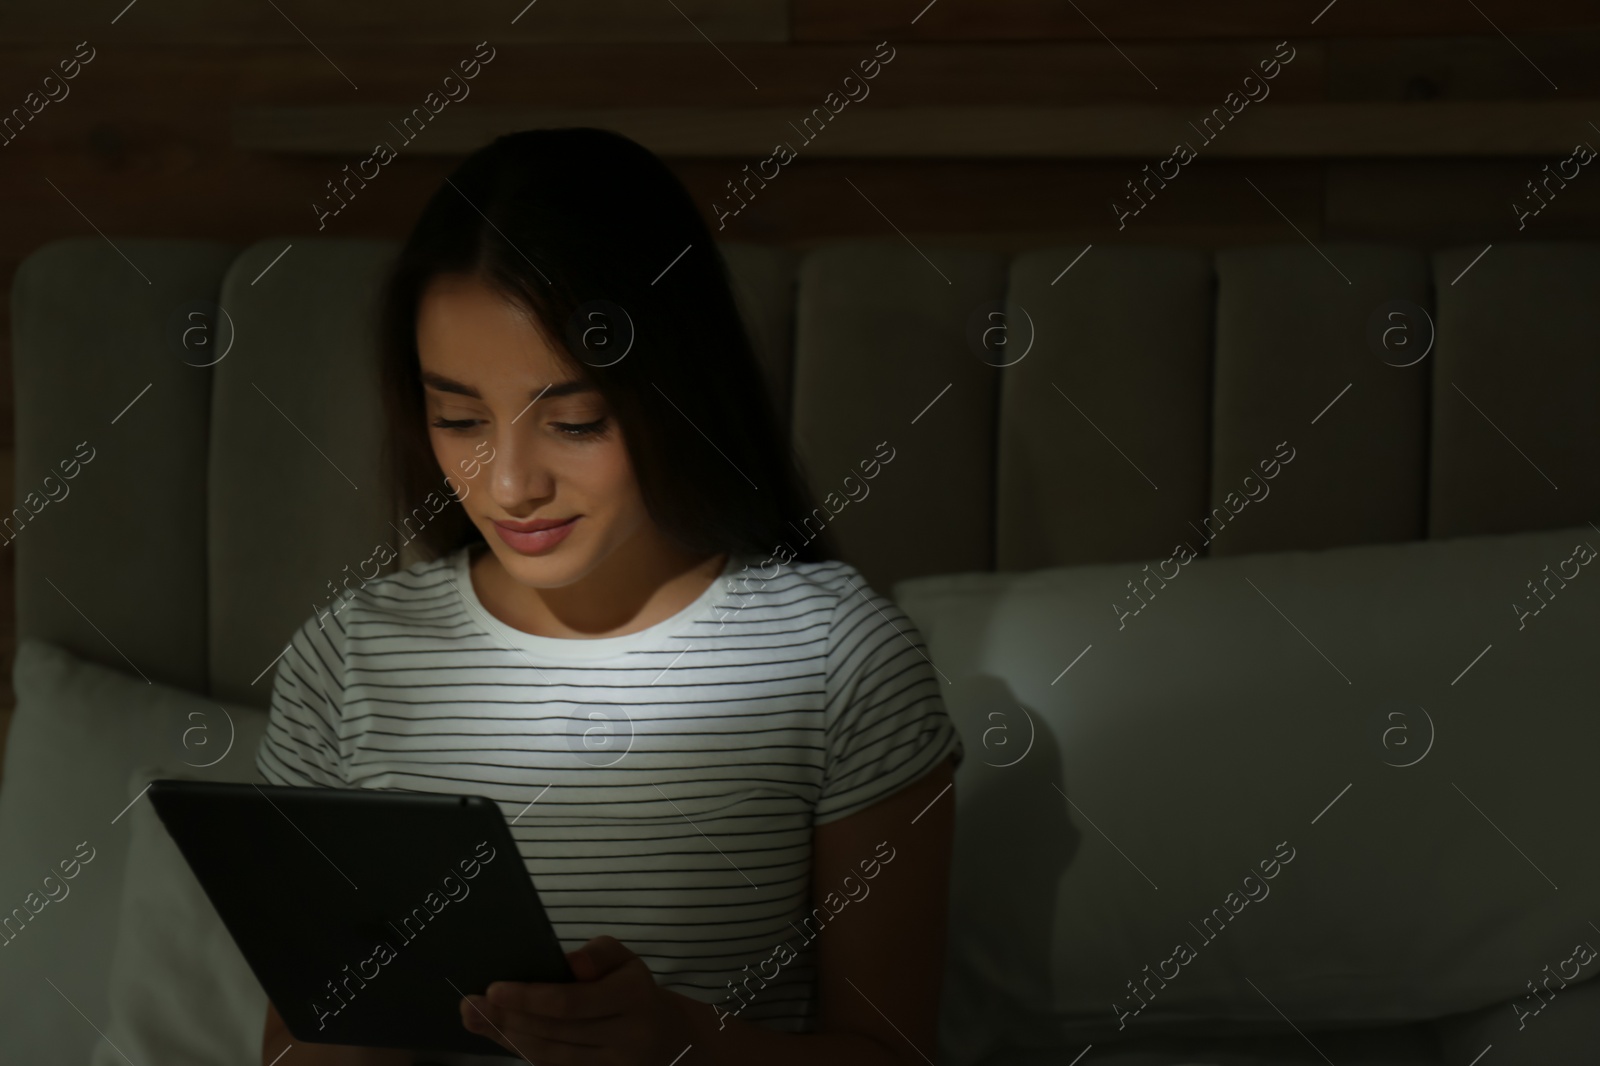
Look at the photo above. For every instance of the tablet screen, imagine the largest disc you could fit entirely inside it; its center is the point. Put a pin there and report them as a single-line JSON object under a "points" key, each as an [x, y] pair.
{"points": [[366, 914]]}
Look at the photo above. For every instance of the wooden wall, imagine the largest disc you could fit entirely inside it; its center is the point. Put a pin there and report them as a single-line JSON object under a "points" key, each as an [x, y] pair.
{"points": [[1015, 121]]}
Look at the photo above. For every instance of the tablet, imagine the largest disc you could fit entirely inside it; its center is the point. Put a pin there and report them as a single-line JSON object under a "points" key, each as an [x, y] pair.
{"points": [[366, 914]]}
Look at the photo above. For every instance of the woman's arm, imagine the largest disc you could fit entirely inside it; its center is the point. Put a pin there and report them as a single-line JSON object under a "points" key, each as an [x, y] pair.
{"points": [[277, 1037], [881, 960]]}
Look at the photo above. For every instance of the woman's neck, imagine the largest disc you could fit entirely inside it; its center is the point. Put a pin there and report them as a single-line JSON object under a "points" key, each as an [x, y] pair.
{"points": [[628, 591]]}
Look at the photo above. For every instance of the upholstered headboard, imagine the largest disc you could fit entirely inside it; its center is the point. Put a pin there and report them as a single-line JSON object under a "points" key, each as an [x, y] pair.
{"points": [[1247, 397]]}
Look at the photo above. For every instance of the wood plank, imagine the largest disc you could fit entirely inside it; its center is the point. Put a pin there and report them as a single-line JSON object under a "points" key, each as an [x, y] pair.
{"points": [[245, 197], [400, 22], [135, 83], [396, 22], [1014, 204], [1430, 201], [1281, 131], [217, 195], [1463, 68], [1030, 20]]}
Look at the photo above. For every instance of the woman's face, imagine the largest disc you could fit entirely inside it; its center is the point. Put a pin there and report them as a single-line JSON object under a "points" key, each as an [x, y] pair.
{"points": [[483, 364]]}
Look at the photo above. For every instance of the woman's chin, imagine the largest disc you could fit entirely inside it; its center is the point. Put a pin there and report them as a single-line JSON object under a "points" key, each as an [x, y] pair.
{"points": [[547, 570]]}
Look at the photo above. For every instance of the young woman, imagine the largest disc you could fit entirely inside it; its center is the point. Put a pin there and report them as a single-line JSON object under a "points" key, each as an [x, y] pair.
{"points": [[724, 758]]}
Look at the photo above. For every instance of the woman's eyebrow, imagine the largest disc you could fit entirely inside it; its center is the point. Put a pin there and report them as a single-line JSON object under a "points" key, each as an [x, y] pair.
{"points": [[559, 388]]}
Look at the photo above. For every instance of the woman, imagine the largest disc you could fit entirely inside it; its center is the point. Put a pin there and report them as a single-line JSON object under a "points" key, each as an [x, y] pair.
{"points": [[725, 760]]}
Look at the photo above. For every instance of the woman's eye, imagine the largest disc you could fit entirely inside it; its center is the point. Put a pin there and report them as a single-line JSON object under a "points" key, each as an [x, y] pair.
{"points": [[455, 423], [581, 430]]}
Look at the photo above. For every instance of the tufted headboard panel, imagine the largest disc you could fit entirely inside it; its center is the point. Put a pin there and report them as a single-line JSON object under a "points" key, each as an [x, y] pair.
{"points": [[1043, 408]]}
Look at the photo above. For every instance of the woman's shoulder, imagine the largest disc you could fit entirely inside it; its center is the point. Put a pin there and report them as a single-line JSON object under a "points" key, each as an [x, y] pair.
{"points": [[416, 590], [849, 582], [779, 578], [837, 585], [418, 585]]}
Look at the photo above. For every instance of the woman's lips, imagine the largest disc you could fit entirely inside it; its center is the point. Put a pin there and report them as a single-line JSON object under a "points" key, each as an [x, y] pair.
{"points": [[538, 541]]}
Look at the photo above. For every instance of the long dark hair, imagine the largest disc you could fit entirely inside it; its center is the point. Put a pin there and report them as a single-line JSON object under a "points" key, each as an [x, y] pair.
{"points": [[576, 225]]}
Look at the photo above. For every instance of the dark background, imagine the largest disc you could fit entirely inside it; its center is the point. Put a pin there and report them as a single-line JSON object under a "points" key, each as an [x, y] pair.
{"points": [[1005, 123]]}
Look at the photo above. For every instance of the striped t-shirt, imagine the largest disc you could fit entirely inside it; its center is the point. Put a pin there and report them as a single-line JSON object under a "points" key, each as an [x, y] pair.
{"points": [[661, 785]]}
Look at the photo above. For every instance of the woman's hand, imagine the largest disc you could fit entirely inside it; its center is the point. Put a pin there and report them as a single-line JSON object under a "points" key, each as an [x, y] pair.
{"points": [[614, 1014]]}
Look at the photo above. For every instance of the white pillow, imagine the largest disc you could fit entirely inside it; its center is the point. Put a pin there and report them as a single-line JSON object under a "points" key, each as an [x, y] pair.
{"points": [[1197, 736], [180, 990], [78, 729]]}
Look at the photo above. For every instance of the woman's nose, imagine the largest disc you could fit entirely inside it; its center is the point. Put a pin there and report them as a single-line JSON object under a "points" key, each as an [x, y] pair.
{"points": [[520, 471]]}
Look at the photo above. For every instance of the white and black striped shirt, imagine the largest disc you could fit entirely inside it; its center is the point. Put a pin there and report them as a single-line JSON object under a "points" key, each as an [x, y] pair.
{"points": [[669, 770]]}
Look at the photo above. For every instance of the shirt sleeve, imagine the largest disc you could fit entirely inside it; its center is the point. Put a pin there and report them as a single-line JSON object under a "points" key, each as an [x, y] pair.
{"points": [[301, 743], [886, 722]]}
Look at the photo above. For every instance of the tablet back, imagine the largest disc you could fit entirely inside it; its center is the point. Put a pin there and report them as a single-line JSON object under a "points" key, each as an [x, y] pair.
{"points": [[366, 914]]}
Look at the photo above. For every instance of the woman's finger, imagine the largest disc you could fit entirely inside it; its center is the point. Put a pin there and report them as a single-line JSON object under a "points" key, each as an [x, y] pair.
{"points": [[526, 1037], [585, 1032], [607, 997]]}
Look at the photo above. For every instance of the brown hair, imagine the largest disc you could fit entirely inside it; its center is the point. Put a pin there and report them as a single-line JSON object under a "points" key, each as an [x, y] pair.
{"points": [[570, 224]]}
